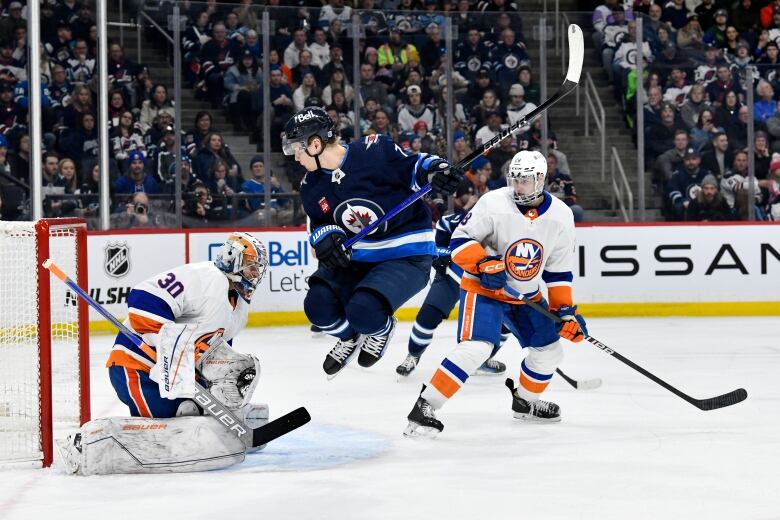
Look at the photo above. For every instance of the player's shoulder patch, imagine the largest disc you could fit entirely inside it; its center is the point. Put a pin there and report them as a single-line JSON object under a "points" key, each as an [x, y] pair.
{"points": [[371, 140]]}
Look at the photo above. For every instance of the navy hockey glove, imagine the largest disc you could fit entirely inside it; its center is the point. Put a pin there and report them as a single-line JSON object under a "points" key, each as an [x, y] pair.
{"points": [[491, 273], [446, 178], [573, 325], [442, 262], [327, 243]]}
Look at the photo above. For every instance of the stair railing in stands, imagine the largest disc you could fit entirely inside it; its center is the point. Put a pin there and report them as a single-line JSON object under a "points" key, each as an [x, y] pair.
{"points": [[621, 189], [594, 109]]}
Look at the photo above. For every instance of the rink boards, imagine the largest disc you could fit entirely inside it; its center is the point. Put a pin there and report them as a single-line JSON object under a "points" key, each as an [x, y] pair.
{"points": [[620, 270]]}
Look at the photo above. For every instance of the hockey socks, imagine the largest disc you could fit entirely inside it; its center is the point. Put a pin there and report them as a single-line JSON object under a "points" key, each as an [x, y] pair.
{"points": [[454, 371]]}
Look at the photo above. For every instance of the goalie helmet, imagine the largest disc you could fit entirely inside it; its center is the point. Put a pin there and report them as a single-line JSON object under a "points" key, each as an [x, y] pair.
{"points": [[244, 260], [526, 176]]}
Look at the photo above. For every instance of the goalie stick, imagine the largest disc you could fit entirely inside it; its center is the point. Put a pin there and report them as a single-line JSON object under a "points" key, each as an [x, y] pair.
{"points": [[576, 55], [711, 403], [585, 384], [252, 437]]}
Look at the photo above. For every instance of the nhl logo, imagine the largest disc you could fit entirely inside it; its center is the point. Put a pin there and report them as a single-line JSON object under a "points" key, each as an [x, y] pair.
{"points": [[117, 263]]}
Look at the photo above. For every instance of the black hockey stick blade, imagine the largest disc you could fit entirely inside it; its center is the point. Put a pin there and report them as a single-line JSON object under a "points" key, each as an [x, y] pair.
{"points": [[722, 401], [281, 426], [584, 384]]}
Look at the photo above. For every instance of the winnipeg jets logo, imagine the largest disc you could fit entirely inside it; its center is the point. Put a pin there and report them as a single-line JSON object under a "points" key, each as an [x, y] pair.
{"points": [[337, 175], [357, 214], [523, 259]]}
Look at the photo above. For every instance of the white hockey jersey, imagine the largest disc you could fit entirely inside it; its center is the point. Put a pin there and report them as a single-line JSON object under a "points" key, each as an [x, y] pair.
{"points": [[191, 293], [535, 246]]}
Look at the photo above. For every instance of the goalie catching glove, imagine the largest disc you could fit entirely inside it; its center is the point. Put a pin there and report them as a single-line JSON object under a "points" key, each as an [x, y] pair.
{"points": [[230, 376]]}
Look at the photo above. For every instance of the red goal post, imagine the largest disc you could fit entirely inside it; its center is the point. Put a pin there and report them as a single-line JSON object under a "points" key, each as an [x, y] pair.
{"points": [[44, 337]]}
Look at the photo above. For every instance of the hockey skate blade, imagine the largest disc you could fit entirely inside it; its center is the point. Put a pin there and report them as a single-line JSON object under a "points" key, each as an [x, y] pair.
{"points": [[417, 430], [527, 417]]}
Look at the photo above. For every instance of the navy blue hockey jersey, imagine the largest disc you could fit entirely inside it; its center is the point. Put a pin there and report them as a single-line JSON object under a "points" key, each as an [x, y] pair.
{"points": [[444, 229], [374, 177]]}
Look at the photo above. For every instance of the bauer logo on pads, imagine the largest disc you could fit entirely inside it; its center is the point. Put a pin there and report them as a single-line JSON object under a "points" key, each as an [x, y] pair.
{"points": [[117, 263], [524, 259]]}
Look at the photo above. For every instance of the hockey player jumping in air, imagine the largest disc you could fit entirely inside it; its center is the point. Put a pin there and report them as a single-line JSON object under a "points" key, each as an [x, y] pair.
{"points": [[513, 236], [195, 308], [354, 293]]}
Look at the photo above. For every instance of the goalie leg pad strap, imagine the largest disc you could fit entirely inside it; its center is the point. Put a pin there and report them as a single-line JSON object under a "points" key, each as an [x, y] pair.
{"points": [[139, 445]]}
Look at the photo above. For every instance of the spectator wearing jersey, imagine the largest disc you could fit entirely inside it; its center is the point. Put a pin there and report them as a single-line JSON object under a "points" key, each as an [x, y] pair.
{"points": [[334, 9], [517, 107], [320, 48], [507, 57], [414, 110], [80, 67], [471, 55], [136, 179], [125, 137], [684, 185], [708, 205], [256, 186], [734, 184], [216, 58], [121, 71], [493, 125]]}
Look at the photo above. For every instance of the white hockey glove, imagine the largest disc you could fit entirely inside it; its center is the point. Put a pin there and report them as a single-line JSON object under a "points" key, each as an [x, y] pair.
{"points": [[230, 376]]}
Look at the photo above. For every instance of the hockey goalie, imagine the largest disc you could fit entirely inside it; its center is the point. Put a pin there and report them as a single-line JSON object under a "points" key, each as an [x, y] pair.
{"points": [[187, 318]]}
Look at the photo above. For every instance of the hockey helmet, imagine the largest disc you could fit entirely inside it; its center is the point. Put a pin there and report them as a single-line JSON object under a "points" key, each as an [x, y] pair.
{"points": [[305, 124], [526, 175], [244, 260]]}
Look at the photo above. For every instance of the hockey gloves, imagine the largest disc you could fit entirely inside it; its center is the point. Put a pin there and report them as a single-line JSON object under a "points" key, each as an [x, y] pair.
{"points": [[573, 325], [327, 243], [446, 178], [443, 261], [491, 273]]}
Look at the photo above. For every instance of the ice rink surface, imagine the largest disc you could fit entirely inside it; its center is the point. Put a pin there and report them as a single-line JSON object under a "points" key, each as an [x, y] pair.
{"points": [[628, 450]]}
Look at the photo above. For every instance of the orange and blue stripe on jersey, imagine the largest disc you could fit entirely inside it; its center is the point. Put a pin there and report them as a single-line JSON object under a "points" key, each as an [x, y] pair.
{"points": [[559, 288], [147, 314]]}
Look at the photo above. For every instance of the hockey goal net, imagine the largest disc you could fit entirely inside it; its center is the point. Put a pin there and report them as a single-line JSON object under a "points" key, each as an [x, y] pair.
{"points": [[44, 335]]}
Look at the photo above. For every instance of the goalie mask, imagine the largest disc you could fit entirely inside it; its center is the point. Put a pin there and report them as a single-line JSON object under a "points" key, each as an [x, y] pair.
{"points": [[244, 260], [526, 175]]}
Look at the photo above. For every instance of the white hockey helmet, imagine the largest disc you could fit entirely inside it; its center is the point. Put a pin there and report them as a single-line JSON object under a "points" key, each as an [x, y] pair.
{"points": [[244, 260], [526, 175]]}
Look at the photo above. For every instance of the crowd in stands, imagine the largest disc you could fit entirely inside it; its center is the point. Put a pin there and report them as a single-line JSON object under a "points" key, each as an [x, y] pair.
{"points": [[697, 57]]}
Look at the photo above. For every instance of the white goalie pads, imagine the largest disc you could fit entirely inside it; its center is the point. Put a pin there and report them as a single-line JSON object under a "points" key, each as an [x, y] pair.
{"points": [[231, 375], [141, 445], [174, 370]]}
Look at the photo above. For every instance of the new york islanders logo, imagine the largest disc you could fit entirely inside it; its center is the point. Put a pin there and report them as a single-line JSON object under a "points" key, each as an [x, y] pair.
{"points": [[523, 259], [356, 214]]}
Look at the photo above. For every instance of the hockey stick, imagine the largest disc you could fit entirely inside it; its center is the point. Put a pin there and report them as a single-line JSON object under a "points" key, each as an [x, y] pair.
{"points": [[711, 403], [252, 437], [585, 384], [576, 55]]}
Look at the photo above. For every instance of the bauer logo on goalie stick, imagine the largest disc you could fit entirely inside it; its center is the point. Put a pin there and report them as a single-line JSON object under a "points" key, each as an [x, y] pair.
{"points": [[117, 263], [524, 259]]}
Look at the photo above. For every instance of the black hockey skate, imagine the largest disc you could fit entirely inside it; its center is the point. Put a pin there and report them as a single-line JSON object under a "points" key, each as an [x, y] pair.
{"points": [[422, 420], [374, 347], [408, 365], [491, 367], [341, 355], [536, 411]]}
